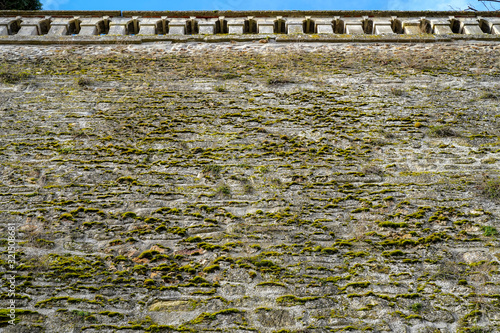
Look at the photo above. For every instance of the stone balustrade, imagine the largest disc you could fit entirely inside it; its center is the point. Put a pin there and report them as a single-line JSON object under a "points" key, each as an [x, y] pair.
{"points": [[382, 24]]}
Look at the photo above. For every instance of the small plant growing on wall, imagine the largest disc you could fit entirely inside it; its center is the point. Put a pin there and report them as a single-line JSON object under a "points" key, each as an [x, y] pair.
{"points": [[490, 188], [83, 81]]}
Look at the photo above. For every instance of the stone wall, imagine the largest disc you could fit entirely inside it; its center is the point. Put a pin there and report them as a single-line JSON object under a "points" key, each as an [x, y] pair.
{"points": [[251, 187]]}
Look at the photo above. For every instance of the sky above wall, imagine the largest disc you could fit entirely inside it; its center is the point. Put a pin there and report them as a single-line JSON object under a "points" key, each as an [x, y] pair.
{"points": [[258, 4]]}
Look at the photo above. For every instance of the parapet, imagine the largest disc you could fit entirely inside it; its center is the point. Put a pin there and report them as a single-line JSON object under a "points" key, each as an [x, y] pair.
{"points": [[24, 26]]}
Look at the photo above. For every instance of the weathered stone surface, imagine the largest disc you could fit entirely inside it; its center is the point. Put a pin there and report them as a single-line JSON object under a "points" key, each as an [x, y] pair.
{"points": [[171, 306], [252, 186], [275, 318]]}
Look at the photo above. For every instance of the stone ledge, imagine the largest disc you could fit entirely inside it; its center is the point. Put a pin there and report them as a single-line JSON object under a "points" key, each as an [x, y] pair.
{"points": [[85, 40], [217, 13]]}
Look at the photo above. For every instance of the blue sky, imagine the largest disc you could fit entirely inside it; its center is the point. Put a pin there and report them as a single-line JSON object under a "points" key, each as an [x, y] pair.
{"points": [[257, 4]]}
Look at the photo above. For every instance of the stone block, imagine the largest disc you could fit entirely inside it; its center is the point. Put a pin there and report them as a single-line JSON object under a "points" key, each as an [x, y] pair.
{"points": [[354, 29], [295, 28], [33, 26], [147, 30], [120, 26], [29, 30], [151, 26], [380, 26], [467, 26], [349, 25], [438, 26], [324, 27], [92, 26], [177, 30], [492, 24], [235, 28], [382, 29], [471, 29], [275, 318], [177, 27], [407, 26], [411, 30], [58, 30], [442, 30], [7, 24], [88, 30], [171, 306], [61, 26]]}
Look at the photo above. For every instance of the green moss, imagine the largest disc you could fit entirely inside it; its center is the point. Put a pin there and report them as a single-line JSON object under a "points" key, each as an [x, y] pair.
{"points": [[223, 190], [93, 224], [271, 283], [206, 316], [441, 131], [329, 250], [129, 214], [212, 169], [5, 318], [489, 231], [70, 300], [209, 246], [416, 307], [291, 300], [394, 253], [472, 316], [115, 242], [127, 180], [148, 254], [12, 77], [111, 314], [193, 239], [356, 254], [363, 284], [140, 269], [67, 216]]}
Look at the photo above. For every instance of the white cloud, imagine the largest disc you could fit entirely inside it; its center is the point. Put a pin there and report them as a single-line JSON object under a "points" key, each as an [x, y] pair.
{"points": [[52, 4], [428, 4]]}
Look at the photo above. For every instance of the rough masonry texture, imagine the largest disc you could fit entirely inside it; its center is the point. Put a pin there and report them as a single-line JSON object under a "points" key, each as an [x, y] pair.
{"points": [[269, 180], [61, 26]]}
